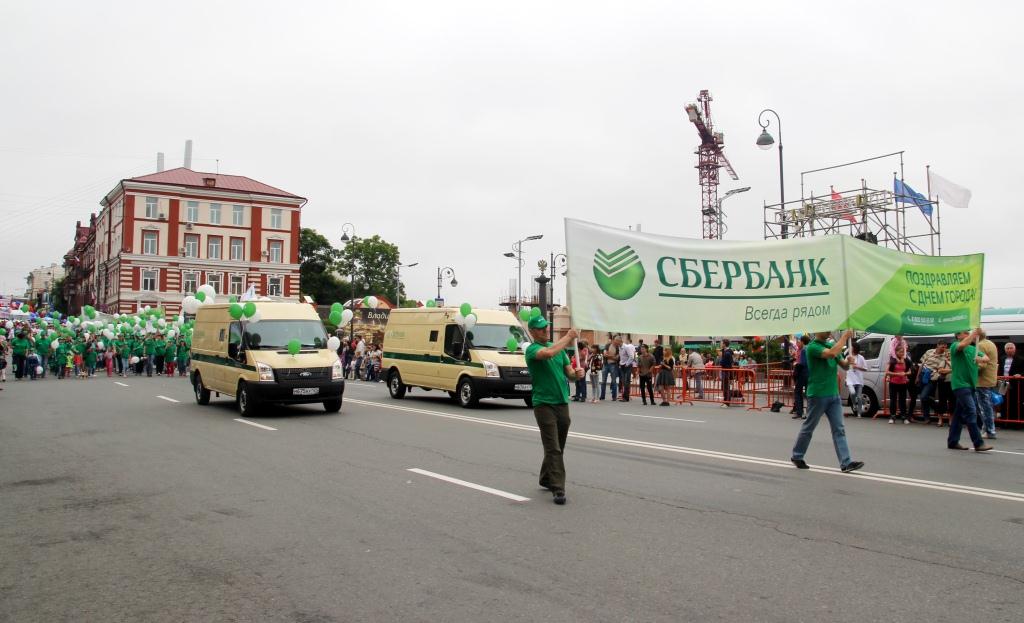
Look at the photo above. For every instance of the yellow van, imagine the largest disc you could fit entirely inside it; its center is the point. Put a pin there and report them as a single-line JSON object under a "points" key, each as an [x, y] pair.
{"points": [[426, 348], [250, 360]]}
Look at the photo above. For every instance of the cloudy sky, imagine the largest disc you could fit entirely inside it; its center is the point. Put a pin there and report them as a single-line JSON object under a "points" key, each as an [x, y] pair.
{"points": [[455, 128]]}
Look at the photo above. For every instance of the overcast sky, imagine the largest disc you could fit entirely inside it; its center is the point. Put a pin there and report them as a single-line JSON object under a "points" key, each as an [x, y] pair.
{"points": [[455, 128]]}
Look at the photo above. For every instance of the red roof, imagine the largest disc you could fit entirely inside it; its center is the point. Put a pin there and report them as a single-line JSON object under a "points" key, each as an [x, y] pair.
{"points": [[187, 177]]}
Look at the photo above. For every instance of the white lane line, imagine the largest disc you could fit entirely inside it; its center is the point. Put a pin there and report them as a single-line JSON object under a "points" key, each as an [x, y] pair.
{"points": [[256, 424], [121, 384], [725, 456], [470, 485], [168, 399], [1007, 452], [659, 417]]}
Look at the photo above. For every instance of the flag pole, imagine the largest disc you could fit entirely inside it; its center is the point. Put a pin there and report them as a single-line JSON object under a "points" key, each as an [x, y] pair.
{"points": [[931, 225], [568, 298]]}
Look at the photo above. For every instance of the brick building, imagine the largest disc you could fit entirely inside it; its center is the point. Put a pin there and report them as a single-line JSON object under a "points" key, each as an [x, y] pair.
{"points": [[80, 267], [161, 236]]}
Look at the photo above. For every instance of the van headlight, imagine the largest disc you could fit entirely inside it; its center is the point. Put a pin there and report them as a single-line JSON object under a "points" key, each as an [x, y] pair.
{"points": [[266, 372], [337, 373], [491, 369]]}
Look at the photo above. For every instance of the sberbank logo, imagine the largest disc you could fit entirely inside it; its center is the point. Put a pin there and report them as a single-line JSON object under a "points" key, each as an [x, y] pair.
{"points": [[619, 274]]}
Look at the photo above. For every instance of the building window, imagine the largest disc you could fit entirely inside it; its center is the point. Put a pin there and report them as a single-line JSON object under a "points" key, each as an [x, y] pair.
{"points": [[149, 243], [237, 215], [214, 279], [275, 218], [191, 245], [189, 282], [149, 280], [215, 213], [237, 284], [213, 247], [192, 212], [151, 207], [238, 249], [273, 286], [275, 248]]}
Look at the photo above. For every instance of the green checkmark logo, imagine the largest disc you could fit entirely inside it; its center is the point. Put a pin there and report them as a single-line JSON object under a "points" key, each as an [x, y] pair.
{"points": [[619, 274]]}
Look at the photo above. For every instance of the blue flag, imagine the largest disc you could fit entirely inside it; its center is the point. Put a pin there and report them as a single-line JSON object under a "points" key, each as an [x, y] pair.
{"points": [[905, 194]]}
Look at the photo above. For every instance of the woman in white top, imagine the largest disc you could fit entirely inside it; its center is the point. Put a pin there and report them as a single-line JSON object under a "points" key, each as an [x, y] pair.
{"points": [[855, 378]]}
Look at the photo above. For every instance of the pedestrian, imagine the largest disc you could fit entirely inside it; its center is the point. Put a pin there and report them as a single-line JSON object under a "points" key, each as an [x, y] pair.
{"points": [[627, 362], [666, 379], [1011, 366], [695, 368], [855, 377], [899, 378], [934, 367], [3, 360], [32, 364], [645, 372], [787, 349], [800, 371], [964, 380], [726, 362], [90, 358], [823, 399], [19, 346], [549, 370], [108, 361], [987, 383], [583, 361], [149, 348], [596, 365], [611, 368]]}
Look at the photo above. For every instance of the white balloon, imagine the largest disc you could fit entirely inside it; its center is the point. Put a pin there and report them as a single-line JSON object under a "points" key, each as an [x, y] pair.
{"points": [[78, 321], [145, 308], [87, 335], [171, 334], [333, 343], [460, 319], [208, 290], [346, 316], [133, 360], [39, 370], [523, 346], [211, 299], [256, 317], [54, 344], [190, 304], [162, 323], [372, 302], [99, 345], [9, 324], [470, 321]]}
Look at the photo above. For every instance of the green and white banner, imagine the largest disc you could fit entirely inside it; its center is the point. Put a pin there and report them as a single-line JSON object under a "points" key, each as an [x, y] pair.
{"points": [[642, 283]]}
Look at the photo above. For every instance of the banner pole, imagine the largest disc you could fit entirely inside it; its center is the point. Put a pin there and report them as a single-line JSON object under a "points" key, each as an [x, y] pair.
{"points": [[568, 297]]}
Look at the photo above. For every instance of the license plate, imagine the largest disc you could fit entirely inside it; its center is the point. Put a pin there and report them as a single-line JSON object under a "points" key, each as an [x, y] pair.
{"points": [[524, 387], [305, 391]]}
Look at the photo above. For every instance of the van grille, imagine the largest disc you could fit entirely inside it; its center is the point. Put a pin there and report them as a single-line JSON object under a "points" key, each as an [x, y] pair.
{"points": [[514, 373], [302, 374]]}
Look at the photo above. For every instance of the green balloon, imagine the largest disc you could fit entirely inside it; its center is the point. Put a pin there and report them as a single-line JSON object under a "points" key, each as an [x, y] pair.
{"points": [[336, 307], [431, 303], [235, 310], [294, 346], [535, 312], [200, 296], [3, 331], [524, 314], [366, 301], [335, 318], [511, 344], [233, 298], [465, 309], [24, 307], [249, 309]]}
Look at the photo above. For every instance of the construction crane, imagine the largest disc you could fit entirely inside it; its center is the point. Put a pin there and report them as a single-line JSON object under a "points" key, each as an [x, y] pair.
{"points": [[709, 160]]}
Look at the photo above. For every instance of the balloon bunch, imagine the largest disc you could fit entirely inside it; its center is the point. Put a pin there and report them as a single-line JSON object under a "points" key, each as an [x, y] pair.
{"points": [[205, 295], [466, 318], [339, 316]]}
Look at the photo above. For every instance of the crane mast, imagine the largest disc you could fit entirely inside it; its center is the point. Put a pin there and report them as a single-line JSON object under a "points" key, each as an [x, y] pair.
{"points": [[709, 160]]}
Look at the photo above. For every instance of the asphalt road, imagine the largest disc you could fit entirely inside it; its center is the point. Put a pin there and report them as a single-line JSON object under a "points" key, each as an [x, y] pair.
{"points": [[122, 500]]}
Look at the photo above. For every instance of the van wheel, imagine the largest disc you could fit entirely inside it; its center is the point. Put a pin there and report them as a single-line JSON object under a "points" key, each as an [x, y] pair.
{"points": [[466, 393], [246, 405], [871, 402], [395, 385], [332, 406], [202, 394]]}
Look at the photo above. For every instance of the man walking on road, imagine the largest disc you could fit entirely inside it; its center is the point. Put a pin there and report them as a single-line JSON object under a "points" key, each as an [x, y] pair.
{"points": [[823, 399], [987, 385], [964, 379], [549, 369], [627, 361]]}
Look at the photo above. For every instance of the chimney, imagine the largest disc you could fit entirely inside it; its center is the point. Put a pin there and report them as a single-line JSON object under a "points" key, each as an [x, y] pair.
{"points": [[209, 181], [159, 161], [188, 154]]}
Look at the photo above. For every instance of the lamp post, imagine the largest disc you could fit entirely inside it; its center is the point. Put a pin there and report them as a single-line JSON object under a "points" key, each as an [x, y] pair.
{"points": [[765, 141], [443, 273], [542, 284], [517, 253], [559, 260], [721, 215], [398, 282], [345, 239]]}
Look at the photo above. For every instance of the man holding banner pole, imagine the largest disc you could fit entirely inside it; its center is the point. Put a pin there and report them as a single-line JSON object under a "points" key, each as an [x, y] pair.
{"points": [[823, 399]]}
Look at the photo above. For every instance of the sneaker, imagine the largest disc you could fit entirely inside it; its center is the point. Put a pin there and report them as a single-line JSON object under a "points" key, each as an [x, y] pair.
{"points": [[906, 421], [852, 466], [559, 497], [800, 464], [957, 447], [664, 403], [982, 448], [892, 421], [797, 416]]}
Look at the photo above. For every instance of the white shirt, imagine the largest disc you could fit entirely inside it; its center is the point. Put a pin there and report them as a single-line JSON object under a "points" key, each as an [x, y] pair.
{"points": [[1006, 366], [627, 355], [360, 348], [695, 361], [854, 376]]}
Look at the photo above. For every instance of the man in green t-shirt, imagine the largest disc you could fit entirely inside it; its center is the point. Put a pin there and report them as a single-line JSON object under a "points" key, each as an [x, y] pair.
{"points": [[19, 347], [549, 370], [964, 380], [823, 399]]}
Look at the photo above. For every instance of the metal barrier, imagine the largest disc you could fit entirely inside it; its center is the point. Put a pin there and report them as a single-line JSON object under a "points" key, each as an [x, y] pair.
{"points": [[1012, 409], [728, 386]]}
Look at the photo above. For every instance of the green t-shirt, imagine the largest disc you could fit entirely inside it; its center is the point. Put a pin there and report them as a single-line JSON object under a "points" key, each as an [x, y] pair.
{"points": [[550, 386], [90, 357], [169, 349], [965, 367], [19, 345], [821, 373], [149, 347]]}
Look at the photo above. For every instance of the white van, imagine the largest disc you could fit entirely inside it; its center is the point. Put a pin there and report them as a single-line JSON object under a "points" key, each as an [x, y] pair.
{"points": [[1001, 325]]}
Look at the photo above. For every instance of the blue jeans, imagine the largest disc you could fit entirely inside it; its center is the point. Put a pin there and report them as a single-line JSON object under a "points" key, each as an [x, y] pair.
{"points": [[857, 393], [832, 408], [610, 370], [926, 399], [964, 415], [988, 414], [581, 389]]}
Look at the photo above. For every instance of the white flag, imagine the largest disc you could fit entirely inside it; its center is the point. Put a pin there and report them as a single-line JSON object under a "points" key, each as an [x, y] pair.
{"points": [[249, 295], [952, 194]]}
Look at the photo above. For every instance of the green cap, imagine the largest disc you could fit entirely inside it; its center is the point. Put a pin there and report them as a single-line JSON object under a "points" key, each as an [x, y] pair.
{"points": [[538, 322]]}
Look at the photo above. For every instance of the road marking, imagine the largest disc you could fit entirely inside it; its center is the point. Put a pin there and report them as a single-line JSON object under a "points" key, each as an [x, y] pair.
{"points": [[470, 485], [659, 417], [256, 424], [725, 456], [1007, 452], [121, 384], [168, 399]]}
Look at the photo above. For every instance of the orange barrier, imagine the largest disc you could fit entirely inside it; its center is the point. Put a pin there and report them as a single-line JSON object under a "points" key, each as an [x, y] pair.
{"points": [[731, 386], [1012, 409]]}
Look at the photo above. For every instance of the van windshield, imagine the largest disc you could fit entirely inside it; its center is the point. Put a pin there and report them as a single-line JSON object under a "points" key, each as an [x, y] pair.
{"points": [[275, 334], [495, 336]]}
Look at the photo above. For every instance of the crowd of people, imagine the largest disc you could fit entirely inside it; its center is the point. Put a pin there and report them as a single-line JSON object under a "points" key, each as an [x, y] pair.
{"points": [[360, 360]]}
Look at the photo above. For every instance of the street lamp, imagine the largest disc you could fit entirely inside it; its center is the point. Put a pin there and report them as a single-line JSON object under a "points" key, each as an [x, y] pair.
{"points": [[557, 260], [345, 239], [765, 141], [517, 253], [398, 282], [444, 273], [721, 215]]}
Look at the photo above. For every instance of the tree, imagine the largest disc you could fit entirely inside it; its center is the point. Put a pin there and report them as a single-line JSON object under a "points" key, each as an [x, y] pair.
{"points": [[57, 301], [374, 263], [318, 261]]}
